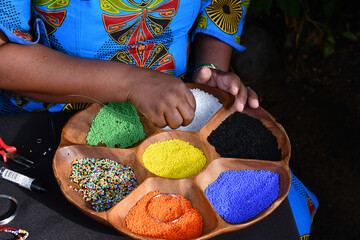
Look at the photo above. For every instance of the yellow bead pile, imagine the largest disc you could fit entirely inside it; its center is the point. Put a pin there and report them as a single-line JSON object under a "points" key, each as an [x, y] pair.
{"points": [[173, 159]]}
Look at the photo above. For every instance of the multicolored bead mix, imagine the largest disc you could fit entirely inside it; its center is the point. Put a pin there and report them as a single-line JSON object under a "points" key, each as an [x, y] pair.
{"points": [[102, 182]]}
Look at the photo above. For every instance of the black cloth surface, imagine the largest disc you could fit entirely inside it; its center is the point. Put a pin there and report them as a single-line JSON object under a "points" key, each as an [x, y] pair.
{"points": [[48, 215]]}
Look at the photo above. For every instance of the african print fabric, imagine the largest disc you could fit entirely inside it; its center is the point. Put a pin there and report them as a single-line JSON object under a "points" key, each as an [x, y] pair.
{"points": [[154, 34]]}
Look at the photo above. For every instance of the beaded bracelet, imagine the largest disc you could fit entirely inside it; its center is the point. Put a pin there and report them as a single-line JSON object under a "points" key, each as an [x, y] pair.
{"points": [[212, 66], [20, 233]]}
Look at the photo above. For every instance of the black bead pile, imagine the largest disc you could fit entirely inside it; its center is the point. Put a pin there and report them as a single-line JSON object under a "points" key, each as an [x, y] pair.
{"points": [[242, 136]]}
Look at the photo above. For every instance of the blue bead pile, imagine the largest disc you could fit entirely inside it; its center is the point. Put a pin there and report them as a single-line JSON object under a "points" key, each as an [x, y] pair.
{"points": [[238, 196], [102, 182]]}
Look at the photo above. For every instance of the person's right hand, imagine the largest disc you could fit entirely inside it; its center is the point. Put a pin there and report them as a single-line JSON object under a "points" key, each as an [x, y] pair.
{"points": [[163, 99]]}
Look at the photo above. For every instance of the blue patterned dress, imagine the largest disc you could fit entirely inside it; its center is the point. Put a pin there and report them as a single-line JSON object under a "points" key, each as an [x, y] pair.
{"points": [[154, 34]]}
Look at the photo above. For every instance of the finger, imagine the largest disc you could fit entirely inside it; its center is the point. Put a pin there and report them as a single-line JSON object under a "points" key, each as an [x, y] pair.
{"points": [[187, 113], [173, 118], [253, 99], [190, 99], [202, 76], [235, 85], [159, 120], [187, 108], [228, 82], [241, 98]]}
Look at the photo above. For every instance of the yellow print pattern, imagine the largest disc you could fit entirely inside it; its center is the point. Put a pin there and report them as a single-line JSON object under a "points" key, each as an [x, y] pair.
{"points": [[225, 14], [305, 237], [53, 4]]}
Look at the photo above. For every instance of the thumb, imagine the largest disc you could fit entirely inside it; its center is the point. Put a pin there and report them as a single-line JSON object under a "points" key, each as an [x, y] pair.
{"points": [[202, 76]]}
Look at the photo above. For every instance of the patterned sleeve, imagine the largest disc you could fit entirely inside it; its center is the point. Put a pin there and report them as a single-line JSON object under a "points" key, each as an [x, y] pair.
{"points": [[222, 19], [15, 23]]}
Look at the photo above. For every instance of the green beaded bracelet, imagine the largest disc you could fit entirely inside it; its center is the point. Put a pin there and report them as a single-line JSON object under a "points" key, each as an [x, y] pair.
{"points": [[212, 66]]}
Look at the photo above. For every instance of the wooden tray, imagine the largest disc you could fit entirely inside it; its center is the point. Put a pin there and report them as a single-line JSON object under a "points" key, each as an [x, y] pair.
{"points": [[73, 145]]}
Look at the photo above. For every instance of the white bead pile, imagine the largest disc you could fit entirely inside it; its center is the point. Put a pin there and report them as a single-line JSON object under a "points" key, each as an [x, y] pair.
{"points": [[206, 107]]}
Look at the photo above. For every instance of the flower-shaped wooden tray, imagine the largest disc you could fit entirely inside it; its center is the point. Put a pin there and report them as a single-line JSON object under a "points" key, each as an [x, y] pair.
{"points": [[73, 145]]}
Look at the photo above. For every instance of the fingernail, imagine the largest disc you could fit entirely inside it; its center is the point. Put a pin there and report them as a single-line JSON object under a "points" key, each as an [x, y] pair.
{"points": [[235, 90], [241, 107]]}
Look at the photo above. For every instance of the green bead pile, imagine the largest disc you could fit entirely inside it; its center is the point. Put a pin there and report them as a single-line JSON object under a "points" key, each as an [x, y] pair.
{"points": [[102, 182], [116, 125]]}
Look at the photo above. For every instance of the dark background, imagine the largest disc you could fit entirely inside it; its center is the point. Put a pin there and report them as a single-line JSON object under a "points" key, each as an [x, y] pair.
{"points": [[303, 60], [311, 86]]}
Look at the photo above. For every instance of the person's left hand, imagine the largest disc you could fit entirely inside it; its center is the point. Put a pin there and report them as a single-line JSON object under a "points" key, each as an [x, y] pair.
{"points": [[230, 83]]}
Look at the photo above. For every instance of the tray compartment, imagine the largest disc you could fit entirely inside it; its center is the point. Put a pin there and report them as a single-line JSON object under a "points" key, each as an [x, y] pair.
{"points": [[62, 166], [183, 187]]}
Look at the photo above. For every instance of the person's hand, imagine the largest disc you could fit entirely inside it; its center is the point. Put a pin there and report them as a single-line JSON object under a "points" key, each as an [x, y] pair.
{"points": [[230, 83], [163, 99]]}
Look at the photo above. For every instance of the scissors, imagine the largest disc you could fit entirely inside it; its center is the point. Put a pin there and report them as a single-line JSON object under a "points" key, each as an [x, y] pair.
{"points": [[9, 152]]}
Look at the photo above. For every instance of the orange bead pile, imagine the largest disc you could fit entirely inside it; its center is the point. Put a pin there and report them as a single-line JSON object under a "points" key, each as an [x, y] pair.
{"points": [[165, 217]]}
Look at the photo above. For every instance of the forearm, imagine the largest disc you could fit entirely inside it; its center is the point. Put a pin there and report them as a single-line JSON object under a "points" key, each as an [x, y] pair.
{"points": [[51, 76], [47, 75], [210, 50]]}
